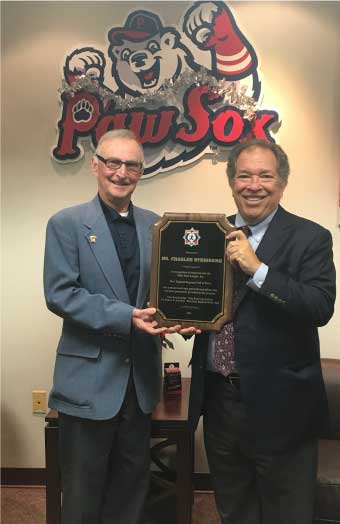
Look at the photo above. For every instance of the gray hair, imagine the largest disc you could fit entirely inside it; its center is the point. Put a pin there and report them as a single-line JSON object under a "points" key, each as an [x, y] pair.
{"points": [[281, 157], [119, 133]]}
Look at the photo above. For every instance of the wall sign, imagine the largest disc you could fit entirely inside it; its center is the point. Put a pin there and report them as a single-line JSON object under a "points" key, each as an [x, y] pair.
{"points": [[185, 91]]}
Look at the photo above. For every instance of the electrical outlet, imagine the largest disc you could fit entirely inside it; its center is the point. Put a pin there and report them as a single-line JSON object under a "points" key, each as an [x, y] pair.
{"points": [[39, 401]]}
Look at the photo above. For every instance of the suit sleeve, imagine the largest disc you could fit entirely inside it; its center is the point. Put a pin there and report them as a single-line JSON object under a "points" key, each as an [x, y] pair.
{"points": [[305, 285], [65, 296]]}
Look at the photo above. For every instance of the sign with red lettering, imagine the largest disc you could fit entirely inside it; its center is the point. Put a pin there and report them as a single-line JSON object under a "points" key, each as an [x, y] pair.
{"points": [[184, 91]]}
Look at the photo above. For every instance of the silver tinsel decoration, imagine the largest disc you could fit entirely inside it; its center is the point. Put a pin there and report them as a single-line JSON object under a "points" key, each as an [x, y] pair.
{"points": [[231, 93]]}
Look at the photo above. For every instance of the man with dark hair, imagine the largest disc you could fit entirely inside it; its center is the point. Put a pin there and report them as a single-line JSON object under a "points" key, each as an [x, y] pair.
{"points": [[108, 365], [258, 381]]}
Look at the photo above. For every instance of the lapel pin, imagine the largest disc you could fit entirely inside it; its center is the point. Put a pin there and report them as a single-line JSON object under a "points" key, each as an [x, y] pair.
{"points": [[93, 239]]}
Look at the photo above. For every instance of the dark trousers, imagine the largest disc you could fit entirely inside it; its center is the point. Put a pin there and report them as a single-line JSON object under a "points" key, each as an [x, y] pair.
{"points": [[105, 465], [252, 488]]}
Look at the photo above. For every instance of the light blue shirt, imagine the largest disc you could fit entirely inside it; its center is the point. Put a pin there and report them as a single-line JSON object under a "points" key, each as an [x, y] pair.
{"points": [[257, 280]]}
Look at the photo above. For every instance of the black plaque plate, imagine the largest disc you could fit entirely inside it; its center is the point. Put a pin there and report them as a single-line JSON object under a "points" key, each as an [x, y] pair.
{"points": [[191, 279]]}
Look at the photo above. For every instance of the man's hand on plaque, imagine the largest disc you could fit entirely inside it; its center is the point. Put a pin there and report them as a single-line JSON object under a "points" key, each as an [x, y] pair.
{"points": [[240, 253], [183, 330], [143, 319], [165, 330], [189, 331]]}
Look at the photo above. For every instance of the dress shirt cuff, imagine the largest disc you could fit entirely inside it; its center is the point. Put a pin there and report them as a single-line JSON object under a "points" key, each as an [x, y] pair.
{"points": [[258, 278]]}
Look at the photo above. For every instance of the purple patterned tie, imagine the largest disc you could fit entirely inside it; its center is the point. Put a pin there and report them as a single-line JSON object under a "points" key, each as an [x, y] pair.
{"points": [[224, 354]]}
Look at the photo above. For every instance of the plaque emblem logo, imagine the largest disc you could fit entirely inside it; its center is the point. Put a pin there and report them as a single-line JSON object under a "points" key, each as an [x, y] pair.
{"points": [[191, 237]]}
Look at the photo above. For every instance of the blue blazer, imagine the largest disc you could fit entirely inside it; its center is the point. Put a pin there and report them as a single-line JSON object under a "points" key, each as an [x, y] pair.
{"points": [[276, 336], [84, 285]]}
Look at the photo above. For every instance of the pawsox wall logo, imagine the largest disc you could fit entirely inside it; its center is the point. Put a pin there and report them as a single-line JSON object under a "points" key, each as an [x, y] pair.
{"points": [[184, 91]]}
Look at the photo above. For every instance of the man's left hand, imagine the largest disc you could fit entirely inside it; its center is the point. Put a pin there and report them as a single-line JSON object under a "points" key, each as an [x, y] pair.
{"points": [[143, 319], [240, 253]]}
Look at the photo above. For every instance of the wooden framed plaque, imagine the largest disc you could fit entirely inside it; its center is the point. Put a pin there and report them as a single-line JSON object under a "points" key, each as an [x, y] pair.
{"points": [[191, 279]]}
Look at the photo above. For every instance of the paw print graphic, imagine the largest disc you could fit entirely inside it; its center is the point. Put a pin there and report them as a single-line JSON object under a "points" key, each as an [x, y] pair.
{"points": [[82, 111]]}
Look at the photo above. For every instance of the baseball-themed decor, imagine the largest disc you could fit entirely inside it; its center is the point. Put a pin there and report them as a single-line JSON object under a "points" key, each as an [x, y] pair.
{"points": [[185, 91]]}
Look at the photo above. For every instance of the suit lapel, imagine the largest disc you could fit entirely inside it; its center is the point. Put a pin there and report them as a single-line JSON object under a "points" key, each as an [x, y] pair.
{"points": [[99, 238], [144, 239], [277, 234]]}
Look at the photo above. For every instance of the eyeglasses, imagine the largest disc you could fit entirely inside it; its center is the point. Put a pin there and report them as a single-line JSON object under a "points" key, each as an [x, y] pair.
{"points": [[115, 163]]}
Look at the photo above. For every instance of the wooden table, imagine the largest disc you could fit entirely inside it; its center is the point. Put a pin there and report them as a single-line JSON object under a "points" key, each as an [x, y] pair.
{"points": [[169, 421]]}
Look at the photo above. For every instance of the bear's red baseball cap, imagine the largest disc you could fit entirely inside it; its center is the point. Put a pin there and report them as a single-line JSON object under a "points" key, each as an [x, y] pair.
{"points": [[139, 25]]}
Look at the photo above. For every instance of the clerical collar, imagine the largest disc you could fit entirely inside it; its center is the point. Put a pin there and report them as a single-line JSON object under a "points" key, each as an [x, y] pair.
{"points": [[114, 216]]}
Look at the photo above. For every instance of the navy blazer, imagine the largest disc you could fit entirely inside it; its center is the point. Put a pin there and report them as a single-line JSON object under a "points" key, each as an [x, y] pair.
{"points": [[276, 338], [84, 284]]}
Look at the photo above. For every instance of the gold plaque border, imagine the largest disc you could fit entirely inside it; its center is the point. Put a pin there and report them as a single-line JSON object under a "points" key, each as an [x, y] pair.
{"points": [[227, 285]]}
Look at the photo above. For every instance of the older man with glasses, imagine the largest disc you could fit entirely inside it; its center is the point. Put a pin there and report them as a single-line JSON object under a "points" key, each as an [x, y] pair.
{"points": [[108, 365]]}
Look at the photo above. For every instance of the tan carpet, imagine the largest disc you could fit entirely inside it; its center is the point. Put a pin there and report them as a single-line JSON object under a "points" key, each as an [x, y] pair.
{"points": [[26, 505], [23, 505]]}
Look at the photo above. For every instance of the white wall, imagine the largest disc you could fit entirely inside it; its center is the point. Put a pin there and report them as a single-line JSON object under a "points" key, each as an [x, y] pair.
{"points": [[298, 47]]}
